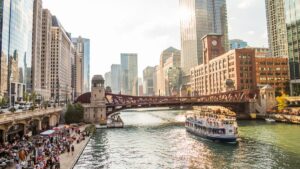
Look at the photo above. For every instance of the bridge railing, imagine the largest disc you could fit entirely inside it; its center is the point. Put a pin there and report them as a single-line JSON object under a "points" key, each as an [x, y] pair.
{"points": [[8, 117]]}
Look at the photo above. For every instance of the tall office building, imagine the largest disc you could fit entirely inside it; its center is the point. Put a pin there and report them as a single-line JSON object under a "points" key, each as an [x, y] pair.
{"points": [[107, 77], [170, 57], [198, 18], [292, 13], [82, 65], [276, 27], [116, 78], [148, 81], [46, 54], [83, 44], [62, 54], [37, 46], [16, 47], [129, 64]]}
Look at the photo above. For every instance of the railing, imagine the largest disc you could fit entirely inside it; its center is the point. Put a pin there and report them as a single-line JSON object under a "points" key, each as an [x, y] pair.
{"points": [[9, 117]]}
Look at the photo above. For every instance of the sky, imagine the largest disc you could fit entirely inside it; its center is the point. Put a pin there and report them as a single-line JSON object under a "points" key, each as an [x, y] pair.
{"points": [[146, 27]]}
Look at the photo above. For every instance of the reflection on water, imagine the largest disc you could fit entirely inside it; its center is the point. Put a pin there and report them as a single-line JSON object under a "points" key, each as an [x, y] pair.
{"points": [[157, 139]]}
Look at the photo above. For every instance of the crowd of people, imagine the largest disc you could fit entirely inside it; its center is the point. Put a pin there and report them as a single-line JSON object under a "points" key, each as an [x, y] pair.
{"points": [[40, 152]]}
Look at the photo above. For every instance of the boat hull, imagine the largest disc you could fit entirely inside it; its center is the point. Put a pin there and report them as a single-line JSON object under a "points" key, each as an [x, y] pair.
{"points": [[213, 138]]}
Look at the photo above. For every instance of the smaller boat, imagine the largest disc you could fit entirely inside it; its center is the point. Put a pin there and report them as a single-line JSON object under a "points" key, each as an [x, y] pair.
{"points": [[270, 120]]}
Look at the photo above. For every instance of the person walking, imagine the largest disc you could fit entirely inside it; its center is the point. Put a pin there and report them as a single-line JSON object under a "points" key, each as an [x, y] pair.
{"points": [[72, 148]]}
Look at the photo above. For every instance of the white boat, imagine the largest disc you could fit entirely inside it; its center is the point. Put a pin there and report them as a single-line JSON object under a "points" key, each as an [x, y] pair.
{"points": [[216, 127], [270, 120]]}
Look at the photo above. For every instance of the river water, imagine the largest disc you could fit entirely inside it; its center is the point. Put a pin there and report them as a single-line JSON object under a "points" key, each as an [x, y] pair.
{"points": [[158, 139]]}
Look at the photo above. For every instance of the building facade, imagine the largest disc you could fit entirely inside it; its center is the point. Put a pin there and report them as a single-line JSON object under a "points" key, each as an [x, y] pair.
{"points": [[46, 54], [220, 72], [129, 65], [116, 78], [170, 57], [81, 65], [37, 46], [277, 34], [237, 44], [16, 21], [198, 18], [107, 77], [272, 71], [238, 69], [292, 13], [148, 81], [62, 54]]}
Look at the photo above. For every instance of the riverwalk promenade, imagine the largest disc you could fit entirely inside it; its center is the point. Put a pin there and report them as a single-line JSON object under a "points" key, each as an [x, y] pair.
{"points": [[67, 160]]}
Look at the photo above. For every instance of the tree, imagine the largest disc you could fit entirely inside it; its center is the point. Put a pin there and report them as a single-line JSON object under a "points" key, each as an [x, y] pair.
{"points": [[282, 102], [74, 113]]}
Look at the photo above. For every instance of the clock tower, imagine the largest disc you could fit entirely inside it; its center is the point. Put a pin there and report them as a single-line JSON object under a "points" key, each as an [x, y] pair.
{"points": [[212, 47]]}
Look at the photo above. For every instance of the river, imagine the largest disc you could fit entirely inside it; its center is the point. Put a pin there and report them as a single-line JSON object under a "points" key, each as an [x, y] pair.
{"points": [[158, 139]]}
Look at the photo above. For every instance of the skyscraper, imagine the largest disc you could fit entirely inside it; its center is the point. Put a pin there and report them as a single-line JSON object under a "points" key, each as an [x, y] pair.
{"points": [[46, 54], [82, 65], [62, 54], [129, 64], [116, 78], [16, 47], [198, 18], [37, 46], [276, 27], [292, 13], [107, 77], [148, 81]]}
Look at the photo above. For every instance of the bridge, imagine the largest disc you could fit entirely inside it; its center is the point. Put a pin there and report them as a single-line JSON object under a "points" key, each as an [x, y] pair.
{"points": [[237, 101], [28, 122], [101, 103]]}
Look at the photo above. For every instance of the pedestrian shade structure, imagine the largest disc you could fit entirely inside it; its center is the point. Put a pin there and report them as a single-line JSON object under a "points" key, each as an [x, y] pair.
{"points": [[48, 132]]}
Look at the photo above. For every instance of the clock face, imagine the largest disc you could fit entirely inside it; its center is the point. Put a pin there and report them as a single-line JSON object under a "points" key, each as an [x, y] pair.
{"points": [[214, 42]]}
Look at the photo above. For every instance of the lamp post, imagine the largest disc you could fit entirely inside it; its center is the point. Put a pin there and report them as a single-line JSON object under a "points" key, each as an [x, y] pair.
{"points": [[10, 94]]}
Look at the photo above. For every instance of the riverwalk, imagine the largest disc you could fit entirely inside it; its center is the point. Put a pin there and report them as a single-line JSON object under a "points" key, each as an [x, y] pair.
{"points": [[67, 160]]}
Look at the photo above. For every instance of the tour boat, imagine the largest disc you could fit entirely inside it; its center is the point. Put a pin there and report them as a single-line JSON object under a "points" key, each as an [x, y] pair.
{"points": [[213, 125], [270, 120]]}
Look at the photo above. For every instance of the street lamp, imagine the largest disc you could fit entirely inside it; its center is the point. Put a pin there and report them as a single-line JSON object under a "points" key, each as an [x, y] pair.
{"points": [[10, 85]]}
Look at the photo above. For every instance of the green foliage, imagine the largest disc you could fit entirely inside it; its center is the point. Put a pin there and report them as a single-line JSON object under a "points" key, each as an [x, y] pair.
{"points": [[282, 102], [74, 113], [90, 129], [3, 102]]}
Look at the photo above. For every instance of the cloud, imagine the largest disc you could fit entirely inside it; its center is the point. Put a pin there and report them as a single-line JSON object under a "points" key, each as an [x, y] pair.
{"points": [[244, 4], [251, 32]]}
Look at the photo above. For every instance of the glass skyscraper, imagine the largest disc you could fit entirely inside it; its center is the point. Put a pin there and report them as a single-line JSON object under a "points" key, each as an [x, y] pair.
{"points": [[292, 17], [129, 65], [16, 20], [199, 18]]}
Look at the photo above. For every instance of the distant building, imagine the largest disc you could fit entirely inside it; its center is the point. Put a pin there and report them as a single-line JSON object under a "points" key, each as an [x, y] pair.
{"points": [[82, 65], [148, 83], [116, 78], [237, 44], [129, 65], [277, 31], [198, 18], [140, 87], [170, 57], [62, 54], [107, 77]]}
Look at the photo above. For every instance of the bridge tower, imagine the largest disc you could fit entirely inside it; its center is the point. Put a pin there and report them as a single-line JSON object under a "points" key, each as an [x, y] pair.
{"points": [[98, 106]]}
